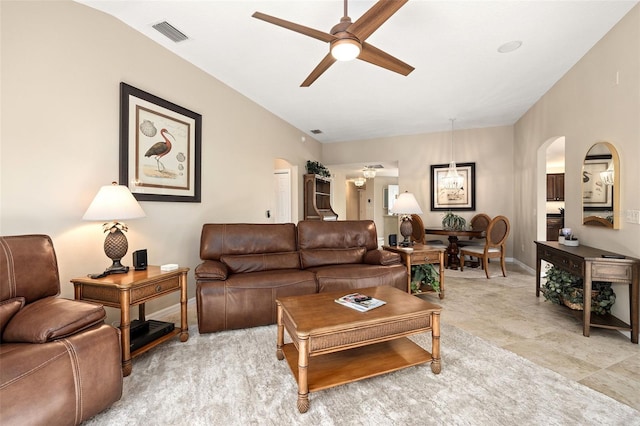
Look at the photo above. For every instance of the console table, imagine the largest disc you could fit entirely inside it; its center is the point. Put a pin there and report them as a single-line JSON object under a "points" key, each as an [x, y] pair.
{"points": [[591, 264]]}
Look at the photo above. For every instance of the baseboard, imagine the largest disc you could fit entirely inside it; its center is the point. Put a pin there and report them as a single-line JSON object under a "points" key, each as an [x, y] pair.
{"points": [[171, 310], [520, 264]]}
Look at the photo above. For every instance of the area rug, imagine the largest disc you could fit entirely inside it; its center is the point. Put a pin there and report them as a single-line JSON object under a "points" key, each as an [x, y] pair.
{"points": [[234, 378]]}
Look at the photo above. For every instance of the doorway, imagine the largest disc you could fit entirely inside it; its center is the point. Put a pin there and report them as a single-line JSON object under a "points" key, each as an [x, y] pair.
{"points": [[550, 204]]}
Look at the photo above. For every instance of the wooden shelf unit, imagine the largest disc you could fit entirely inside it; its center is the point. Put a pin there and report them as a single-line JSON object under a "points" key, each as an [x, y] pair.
{"points": [[317, 198]]}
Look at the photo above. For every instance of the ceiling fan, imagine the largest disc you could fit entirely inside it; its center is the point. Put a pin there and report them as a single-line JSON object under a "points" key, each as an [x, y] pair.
{"points": [[347, 39]]}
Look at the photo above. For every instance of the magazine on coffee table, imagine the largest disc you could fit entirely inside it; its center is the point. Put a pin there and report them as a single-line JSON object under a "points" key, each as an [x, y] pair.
{"points": [[360, 302]]}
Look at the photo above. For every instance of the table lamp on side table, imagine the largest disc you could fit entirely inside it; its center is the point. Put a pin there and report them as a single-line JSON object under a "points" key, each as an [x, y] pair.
{"points": [[405, 206], [114, 203]]}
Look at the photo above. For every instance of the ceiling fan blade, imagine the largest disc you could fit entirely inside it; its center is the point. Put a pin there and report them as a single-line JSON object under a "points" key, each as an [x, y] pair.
{"points": [[317, 71], [375, 56], [374, 17], [320, 35]]}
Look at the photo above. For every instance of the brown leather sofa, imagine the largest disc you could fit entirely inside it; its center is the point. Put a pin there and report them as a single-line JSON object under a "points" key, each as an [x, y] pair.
{"points": [[246, 267], [59, 363]]}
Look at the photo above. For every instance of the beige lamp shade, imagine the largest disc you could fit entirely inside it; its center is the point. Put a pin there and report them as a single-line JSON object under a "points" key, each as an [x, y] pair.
{"points": [[114, 202], [406, 204]]}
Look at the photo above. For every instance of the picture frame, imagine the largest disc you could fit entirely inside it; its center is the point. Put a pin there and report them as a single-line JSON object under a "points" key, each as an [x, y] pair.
{"points": [[160, 148], [453, 199], [595, 194]]}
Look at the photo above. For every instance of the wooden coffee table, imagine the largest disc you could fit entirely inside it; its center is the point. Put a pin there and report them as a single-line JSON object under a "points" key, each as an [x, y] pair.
{"points": [[333, 344]]}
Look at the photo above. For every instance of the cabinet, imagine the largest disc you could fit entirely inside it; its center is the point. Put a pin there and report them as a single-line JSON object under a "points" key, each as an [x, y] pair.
{"points": [[593, 264], [555, 187], [554, 225], [317, 198]]}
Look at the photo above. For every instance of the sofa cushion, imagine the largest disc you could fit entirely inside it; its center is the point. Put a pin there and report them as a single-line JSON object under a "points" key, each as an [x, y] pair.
{"points": [[52, 318], [211, 270], [320, 257], [261, 262], [350, 277], [318, 234], [246, 238], [8, 308], [382, 257]]}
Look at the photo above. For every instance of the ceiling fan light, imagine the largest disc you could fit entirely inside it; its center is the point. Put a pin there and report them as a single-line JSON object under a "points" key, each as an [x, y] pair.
{"points": [[345, 49]]}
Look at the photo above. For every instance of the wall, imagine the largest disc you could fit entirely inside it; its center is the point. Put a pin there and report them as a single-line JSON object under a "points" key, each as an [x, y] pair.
{"points": [[62, 63], [586, 106], [490, 148]]}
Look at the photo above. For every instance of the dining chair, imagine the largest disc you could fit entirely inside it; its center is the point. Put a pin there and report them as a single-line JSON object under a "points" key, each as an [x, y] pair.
{"points": [[479, 222], [494, 247], [419, 236]]}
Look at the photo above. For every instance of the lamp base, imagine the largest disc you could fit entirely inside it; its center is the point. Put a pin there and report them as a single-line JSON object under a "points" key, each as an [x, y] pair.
{"points": [[115, 247], [406, 230], [116, 268]]}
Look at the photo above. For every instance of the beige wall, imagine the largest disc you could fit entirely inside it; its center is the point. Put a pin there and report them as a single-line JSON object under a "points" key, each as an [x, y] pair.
{"points": [[586, 106], [490, 148], [62, 63]]}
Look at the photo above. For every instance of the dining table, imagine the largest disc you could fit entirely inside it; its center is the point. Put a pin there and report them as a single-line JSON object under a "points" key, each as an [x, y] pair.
{"points": [[453, 261]]}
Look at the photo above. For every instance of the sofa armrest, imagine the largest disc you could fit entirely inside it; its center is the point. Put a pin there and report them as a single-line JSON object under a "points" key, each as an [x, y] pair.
{"points": [[52, 318], [382, 257], [211, 270]]}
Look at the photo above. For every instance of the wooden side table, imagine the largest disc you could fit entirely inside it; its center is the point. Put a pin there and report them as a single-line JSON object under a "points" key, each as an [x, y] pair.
{"points": [[135, 288], [420, 255]]}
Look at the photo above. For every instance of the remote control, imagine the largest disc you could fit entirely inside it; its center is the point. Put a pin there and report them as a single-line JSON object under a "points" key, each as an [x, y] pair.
{"points": [[613, 256], [95, 276], [362, 299]]}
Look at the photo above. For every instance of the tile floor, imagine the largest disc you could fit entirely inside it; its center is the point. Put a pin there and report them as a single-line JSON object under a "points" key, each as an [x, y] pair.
{"points": [[506, 312]]}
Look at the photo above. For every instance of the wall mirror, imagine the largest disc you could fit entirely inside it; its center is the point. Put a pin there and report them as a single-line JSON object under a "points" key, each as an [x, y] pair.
{"points": [[601, 187]]}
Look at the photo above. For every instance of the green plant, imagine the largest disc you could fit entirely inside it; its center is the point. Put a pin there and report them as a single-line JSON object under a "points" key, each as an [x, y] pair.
{"points": [[425, 274], [316, 168], [453, 221], [563, 288]]}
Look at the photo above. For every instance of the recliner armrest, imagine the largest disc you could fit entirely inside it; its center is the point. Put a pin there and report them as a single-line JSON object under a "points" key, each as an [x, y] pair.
{"points": [[382, 257], [211, 270], [52, 318]]}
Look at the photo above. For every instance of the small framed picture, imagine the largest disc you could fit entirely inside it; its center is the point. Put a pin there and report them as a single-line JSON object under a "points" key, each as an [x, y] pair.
{"points": [[462, 198], [160, 145]]}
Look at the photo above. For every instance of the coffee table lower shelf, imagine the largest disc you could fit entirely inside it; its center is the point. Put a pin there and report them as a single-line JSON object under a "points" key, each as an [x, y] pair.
{"points": [[337, 368]]}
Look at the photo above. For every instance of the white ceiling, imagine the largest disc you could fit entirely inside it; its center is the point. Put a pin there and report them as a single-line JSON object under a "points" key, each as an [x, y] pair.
{"points": [[452, 45]]}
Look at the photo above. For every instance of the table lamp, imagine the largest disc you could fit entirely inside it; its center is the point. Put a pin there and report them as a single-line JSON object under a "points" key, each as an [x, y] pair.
{"points": [[114, 203], [405, 206]]}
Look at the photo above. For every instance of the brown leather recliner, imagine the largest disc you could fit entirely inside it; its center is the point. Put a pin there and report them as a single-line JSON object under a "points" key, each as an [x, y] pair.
{"points": [[59, 363]]}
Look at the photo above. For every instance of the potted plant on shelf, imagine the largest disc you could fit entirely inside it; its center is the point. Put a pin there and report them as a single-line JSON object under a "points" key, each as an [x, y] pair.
{"points": [[453, 221], [564, 288], [316, 168], [422, 275]]}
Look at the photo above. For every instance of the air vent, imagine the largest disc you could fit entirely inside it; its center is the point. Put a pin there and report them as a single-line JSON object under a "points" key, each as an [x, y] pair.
{"points": [[171, 32], [375, 166], [316, 131]]}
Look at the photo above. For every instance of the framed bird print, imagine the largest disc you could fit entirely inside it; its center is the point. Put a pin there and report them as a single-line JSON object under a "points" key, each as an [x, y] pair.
{"points": [[160, 145]]}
